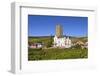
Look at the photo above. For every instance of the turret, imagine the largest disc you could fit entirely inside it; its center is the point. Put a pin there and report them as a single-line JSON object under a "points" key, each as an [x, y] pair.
{"points": [[59, 31]]}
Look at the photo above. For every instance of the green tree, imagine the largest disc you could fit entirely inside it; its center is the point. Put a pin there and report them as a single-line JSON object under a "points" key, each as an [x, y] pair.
{"points": [[49, 42]]}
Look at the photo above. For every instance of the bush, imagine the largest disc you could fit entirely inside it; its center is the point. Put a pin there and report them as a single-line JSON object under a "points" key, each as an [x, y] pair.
{"points": [[56, 53], [77, 46]]}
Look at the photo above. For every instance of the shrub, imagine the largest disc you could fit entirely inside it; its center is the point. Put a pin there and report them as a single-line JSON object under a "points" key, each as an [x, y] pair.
{"points": [[77, 46]]}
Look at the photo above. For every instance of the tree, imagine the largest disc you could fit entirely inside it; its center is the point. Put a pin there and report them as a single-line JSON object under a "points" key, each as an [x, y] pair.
{"points": [[49, 42]]}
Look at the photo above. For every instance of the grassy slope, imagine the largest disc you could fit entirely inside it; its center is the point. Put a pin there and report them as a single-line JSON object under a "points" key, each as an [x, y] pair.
{"points": [[45, 54], [52, 54]]}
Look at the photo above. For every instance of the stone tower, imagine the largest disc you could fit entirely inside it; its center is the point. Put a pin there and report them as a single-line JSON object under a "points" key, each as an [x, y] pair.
{"points": [[59, 31]]}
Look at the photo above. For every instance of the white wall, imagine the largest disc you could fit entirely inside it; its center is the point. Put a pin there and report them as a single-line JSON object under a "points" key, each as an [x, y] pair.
{"points": [[5, 33]]}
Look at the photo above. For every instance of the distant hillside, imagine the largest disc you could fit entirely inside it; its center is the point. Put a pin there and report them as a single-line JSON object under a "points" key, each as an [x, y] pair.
{"points": [[53, 36], [46, 38], [40, 36]]}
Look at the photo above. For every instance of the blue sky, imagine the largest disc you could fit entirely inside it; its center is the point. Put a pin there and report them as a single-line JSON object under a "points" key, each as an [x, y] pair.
{"points": [[42, 25]]}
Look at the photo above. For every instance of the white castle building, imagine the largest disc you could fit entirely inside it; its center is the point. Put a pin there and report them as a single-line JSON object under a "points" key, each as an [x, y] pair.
{"points": [[59, 40]]}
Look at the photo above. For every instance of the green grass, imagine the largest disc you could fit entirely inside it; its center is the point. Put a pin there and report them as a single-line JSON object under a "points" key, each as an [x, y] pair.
{"points": [[56, 53]]}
